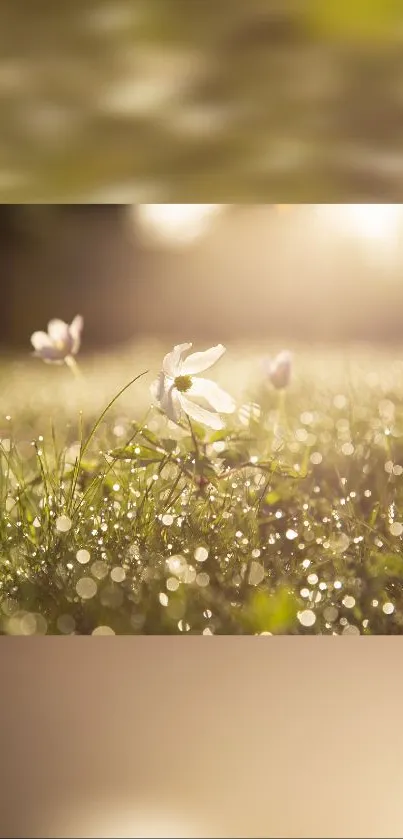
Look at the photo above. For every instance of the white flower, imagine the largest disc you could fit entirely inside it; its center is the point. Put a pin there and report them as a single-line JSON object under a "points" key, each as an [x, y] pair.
{"points": [[176, 390], [61, 341], [278, 369]]}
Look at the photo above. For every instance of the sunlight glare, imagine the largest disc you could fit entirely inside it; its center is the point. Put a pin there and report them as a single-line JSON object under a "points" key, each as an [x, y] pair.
{"points": [[374, 221], [367, 221], [179, 223], [139, 821]]}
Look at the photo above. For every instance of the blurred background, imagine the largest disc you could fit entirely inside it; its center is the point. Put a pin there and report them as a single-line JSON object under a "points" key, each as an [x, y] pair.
{"points": [[143, 100], [156, 737], [308, 273]]}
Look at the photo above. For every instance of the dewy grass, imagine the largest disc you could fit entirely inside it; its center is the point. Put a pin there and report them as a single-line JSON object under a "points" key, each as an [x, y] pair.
{"points": [[287, 519], [84, 446]]}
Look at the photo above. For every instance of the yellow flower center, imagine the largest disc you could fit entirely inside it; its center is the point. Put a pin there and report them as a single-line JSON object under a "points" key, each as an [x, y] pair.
{"points": [[183, 383]]}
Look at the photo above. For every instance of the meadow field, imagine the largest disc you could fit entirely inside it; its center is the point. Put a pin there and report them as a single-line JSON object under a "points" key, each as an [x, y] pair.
{"points": [[288, 520]]}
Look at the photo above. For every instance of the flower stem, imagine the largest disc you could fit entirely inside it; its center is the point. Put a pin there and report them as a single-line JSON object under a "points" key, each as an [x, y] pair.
{"points": [[281, 402], [73, 366], [282, 407], [198, 460], [281, 418]]}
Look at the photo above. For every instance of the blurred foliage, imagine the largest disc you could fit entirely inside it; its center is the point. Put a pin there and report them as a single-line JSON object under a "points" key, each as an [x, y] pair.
{"points": [[200, 99], [267, 612], [359, 20]]}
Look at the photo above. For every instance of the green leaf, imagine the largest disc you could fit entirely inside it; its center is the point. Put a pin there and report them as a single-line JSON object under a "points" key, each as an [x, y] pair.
{"points": [[234, 456], [169, 445], [148, 435], [204, 467], [277, 468], [89, 466], [266, 612], [384, 565], [198, 430], [143, 454], [272, 498], [218, 437], [374, 514]]}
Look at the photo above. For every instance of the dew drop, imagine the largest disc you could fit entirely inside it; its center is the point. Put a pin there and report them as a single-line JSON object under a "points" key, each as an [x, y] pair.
{"points": [[103, 630], [63, 524], [347, 449], [350, 630], [86, 588], [307, 617], [201, 554], [348, 601], [330, 614], [256, 573], [172, 584], [396, 529], [66, 624], [316, 458], [99, 569]]}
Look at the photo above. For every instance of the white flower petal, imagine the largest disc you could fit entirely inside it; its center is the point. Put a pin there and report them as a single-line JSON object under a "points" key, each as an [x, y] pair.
{"points": [[52, 356], [157, 388], [284, 357], [170, 404], [172, 363], [267, 366], [199, 361], [59, 331], [44, 348], [280, 372], [200, 414], [39, 340], [219, 399], [76, 328]]}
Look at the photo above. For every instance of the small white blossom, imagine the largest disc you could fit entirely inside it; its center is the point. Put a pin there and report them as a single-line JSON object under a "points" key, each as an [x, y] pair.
{"points": [[60, 342], [278, 369], [177, 390]]}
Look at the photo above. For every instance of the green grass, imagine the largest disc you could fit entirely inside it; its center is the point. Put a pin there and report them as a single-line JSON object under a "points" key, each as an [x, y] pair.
{"points": [[284, 523]]}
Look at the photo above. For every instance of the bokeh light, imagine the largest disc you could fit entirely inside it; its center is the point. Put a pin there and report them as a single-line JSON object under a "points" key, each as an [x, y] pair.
{"points": [[176, 223], [374, 221], [120, 820], [370, 222]]}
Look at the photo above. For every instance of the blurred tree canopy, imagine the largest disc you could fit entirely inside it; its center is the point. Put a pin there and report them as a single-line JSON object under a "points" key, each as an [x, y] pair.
{"points": [[183, 100]]}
